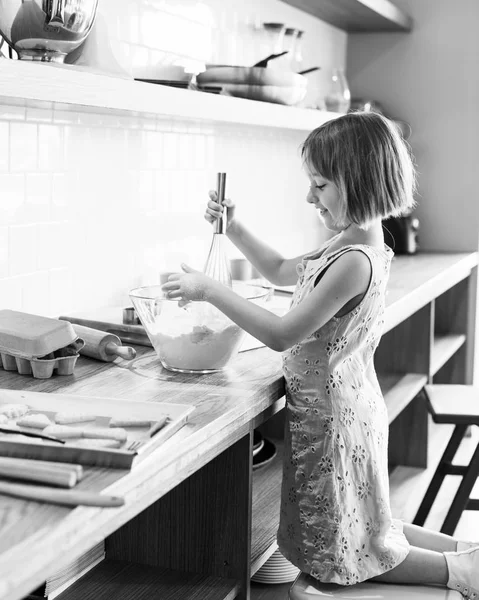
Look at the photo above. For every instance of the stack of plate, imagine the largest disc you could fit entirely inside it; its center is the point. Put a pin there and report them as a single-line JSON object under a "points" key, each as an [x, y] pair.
{"points": [[276, 570], [255, 83]]}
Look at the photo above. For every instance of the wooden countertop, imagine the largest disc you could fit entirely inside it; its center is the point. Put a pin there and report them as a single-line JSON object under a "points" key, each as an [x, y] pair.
{"points": [[37, 539]]}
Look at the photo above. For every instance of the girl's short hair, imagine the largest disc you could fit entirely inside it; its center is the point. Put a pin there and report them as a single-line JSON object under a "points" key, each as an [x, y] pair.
{"points": [[366, 157]]}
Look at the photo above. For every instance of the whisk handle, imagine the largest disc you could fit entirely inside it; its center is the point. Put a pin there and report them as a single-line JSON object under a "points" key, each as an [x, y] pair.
{"points": [[221, 223]]}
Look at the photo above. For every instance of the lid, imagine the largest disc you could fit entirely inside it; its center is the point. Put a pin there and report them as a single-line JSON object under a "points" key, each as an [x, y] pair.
{"points": [[27, 335]]}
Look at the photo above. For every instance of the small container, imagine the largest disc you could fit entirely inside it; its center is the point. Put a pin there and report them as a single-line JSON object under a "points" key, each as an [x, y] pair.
{"points": [[338, 98], [33, 336], [36, 345], [62, 361], [130, 317]]}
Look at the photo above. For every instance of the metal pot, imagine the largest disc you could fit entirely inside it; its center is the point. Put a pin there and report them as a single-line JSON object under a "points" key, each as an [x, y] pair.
{"points": [[46, 30]]}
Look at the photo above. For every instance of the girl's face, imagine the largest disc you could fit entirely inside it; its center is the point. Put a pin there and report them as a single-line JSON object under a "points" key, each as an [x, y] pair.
{"points": [[326, 198]]}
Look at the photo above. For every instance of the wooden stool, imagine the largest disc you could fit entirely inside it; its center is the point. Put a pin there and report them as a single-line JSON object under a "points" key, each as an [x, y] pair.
{"points": [[307, 588], [457, 405]]}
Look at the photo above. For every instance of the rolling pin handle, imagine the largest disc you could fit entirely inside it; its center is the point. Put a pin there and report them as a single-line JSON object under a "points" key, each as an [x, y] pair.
{"points": [[125, 352]]}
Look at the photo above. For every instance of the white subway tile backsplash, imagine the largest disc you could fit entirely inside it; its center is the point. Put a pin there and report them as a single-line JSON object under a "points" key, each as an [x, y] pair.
{"points": [[40, 115], [50, 148], [4, 252], [60, 208], [12, 188], [23, 249], [61, 292], [36, 293], [12, 112], [4, 146], [96, 204], [11, 293], [23, 147], [38, 196]]}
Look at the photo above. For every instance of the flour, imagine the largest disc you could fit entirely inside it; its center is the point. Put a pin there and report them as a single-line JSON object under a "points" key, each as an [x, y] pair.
{"points": [[200, 349], [200, 338]]}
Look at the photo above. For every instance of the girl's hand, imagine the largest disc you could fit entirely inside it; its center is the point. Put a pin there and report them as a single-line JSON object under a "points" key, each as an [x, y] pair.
{"points": [[214, 210], [187, 286]]}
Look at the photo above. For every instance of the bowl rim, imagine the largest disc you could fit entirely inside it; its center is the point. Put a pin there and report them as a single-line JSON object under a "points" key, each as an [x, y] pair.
{"points": [[140, 293]]}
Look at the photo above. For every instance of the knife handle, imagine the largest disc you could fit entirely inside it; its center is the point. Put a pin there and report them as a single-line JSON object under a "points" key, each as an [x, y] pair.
{"points": [[63, 497]]}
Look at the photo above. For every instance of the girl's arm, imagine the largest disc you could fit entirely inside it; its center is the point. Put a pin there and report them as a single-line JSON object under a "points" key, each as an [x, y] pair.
{"points": [[270, 263], [347, 278]]}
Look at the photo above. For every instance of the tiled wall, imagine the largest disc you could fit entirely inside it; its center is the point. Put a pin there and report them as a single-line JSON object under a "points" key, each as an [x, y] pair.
{"points": [[93, 205]]}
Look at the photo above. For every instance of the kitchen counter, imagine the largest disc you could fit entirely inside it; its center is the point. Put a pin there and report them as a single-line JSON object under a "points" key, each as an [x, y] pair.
{"points": [[37, 539]]}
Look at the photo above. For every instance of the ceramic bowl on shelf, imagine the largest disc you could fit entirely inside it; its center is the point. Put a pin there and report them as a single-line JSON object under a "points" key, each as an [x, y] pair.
{"points": [[195, 338], [288, 95]]}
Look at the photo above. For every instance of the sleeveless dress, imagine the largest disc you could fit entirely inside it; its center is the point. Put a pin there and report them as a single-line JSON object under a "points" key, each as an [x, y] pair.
{"points": [[335, 520]]}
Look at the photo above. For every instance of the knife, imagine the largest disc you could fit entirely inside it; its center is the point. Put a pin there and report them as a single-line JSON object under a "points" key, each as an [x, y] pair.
{"points": [[54, 496], [42, 436]]}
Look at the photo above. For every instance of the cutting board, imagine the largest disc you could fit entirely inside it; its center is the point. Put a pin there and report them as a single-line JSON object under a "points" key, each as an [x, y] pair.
{"points": [[103, 409]]}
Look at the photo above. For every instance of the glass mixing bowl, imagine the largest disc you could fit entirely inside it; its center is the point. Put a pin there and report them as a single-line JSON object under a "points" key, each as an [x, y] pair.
{"points": [[196, 337]]}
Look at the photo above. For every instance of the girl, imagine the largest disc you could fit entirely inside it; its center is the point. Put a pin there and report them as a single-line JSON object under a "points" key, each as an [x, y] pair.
{"points": [[336, 521]]}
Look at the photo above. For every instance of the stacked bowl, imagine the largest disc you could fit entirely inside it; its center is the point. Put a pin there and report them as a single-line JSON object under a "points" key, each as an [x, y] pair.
{"points": [[277, 569], [256, 83]]}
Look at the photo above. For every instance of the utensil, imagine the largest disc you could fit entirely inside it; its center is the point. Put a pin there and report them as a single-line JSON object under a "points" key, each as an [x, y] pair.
{"points": [[26, 432], [134, 446], [311, 70], [102, 346], [264, 62], [44, 472], [110, 320], [46, 31], [217, 264], [63, 497], [157, 426]]}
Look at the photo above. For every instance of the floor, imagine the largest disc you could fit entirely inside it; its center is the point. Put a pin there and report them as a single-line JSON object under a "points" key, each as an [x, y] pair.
{"points": [[467, 529]]}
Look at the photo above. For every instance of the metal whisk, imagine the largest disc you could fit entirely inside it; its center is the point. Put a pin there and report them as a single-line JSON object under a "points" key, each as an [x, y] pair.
{"points": [[217, 264]]}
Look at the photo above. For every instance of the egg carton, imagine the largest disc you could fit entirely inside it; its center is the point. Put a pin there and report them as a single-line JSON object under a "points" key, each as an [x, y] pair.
{"points": [[62, 361]]}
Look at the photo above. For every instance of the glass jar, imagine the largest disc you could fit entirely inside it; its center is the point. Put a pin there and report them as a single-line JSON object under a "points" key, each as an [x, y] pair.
{"points": [[338, 98], [273, 38], [297, 57]]}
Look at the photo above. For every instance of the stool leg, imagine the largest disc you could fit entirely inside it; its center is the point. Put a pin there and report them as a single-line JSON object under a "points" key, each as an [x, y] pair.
{"points": [[439, 475], [462, 495]]}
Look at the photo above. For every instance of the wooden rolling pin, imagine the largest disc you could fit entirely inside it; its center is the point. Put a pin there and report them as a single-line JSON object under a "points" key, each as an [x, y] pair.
{"points": [[102, 345], [56, 474], [53, 496]]}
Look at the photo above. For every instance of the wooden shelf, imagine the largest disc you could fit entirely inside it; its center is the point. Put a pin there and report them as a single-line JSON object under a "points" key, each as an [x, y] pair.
{"points": [[399, 390], [266, 503], [130, 581], [407, 485], [445, 346], [34, 83], [365, 16]]}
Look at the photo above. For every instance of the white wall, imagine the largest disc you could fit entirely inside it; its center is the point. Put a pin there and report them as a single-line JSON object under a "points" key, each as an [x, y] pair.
{"points": [[430, 78], [93, 205]]}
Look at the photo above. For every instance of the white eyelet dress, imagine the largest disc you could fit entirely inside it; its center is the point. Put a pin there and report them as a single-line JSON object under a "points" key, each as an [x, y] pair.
{"points": [[336, 522]]}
